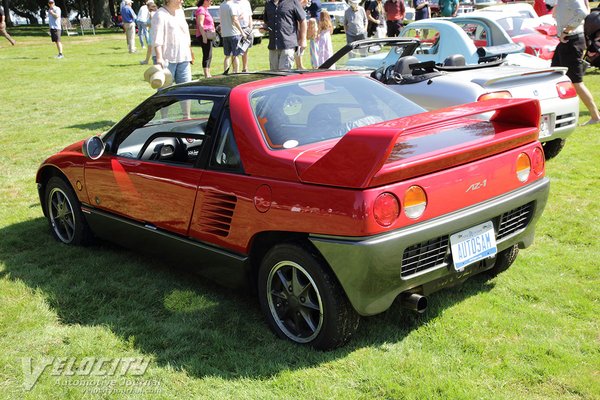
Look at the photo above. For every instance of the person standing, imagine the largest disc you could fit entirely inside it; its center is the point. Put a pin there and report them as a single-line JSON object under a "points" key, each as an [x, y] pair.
{"points": [[171, 41], [129, 18], [150, 50], [422, 10], [246, 22], [142, 24], [54, 14], [286, 22], [569, 15], [448, 8], [206, 33], [324, 44], [355, 22], [232, 33], [3, 27], [376, 17], [394, 12]]}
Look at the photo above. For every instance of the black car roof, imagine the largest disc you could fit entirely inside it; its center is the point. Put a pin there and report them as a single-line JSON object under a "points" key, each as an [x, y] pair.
{"points": [[222, 84]]}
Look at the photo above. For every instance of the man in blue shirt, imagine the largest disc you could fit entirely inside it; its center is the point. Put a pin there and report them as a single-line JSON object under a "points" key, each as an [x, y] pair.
{"points": [[421, 9], [129, 18], [286, 22]]}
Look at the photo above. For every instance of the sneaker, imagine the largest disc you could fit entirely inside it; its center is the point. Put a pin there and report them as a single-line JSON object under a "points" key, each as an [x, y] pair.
{"points": [[143, 62], [60, 56]]}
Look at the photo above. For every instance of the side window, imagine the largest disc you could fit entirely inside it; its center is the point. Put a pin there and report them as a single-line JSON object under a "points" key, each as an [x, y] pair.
{"points": [[226, 155], [172, 131]]}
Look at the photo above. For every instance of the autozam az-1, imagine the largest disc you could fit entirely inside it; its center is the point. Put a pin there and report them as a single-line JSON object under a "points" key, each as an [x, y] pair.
{"points": [[326, 192]]}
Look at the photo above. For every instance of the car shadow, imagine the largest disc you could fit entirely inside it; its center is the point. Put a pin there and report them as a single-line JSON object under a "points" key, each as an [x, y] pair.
{"points": [[182, 320], [94, 126]]}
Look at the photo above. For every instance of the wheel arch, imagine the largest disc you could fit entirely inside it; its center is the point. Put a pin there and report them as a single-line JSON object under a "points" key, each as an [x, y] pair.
{"points": [[264, 241], [43, 176]]}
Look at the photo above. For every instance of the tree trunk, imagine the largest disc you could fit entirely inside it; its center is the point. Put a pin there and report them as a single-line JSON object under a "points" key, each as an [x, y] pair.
{"points": [[100, 13], [6, 5]]}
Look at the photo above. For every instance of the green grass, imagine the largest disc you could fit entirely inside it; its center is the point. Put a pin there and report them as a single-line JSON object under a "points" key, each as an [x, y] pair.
{"points": [[531, 333]]}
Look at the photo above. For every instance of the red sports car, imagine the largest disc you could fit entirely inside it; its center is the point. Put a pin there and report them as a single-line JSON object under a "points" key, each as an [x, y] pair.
{"points": [[328, 193]]}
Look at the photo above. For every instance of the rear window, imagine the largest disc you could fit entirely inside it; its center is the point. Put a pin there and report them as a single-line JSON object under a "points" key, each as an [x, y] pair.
{"points": [[320, 109]]}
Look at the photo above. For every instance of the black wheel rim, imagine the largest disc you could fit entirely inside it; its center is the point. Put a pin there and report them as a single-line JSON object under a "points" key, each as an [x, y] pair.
{"points": [[295, 302], [61, 215]]}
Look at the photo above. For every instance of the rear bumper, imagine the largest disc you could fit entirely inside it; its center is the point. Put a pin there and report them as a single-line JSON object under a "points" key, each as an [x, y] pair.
{"points": [[564, 116], [370, 268]]}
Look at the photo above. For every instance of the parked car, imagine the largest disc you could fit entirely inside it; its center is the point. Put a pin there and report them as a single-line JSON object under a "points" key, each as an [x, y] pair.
{"points": [[478, 39], [452, 82], [214, 12], [336, 10], [521, 29], [327, 193]]}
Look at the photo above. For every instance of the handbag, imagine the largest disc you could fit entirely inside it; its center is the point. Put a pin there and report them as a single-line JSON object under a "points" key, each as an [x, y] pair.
{"points": [[210, 35]]}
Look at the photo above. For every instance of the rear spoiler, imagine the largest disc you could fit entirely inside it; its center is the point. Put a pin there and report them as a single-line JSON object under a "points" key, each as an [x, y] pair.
{"points": [[530, 73], [360, 158]]}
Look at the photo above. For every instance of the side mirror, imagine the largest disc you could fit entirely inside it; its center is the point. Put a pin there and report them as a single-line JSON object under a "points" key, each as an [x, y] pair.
{"points": [[93, 148]]}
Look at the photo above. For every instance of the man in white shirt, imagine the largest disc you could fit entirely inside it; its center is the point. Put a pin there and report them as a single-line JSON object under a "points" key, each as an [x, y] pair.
{"points": [[231, 32], [246, 23], [54, 14]]}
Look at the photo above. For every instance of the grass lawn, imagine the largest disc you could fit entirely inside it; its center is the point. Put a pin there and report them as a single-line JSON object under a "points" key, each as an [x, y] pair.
{"points": [[531, 333]]}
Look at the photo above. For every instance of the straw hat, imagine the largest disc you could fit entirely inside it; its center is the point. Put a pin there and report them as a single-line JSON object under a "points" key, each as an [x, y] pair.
{"points": [[158, 77]]}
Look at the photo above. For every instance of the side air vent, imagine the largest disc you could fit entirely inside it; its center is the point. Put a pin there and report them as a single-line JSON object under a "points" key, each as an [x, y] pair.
{"points": [[217, 213]]}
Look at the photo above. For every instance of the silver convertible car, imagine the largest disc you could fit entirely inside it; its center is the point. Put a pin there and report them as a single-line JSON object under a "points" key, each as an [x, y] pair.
{"points": [[452, 82]]}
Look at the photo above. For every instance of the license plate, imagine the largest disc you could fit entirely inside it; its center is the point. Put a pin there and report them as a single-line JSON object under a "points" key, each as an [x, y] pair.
{"points": [[545, 126], [473, 244]]}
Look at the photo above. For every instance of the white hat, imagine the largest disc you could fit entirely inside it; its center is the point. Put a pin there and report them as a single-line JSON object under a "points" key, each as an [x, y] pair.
{"points": [[354, 1], [158, 77]]}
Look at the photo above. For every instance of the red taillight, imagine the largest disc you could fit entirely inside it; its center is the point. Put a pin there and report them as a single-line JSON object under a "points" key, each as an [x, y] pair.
{"points": [[565, 90], [537, 161], [386, 209], [495, 95]]}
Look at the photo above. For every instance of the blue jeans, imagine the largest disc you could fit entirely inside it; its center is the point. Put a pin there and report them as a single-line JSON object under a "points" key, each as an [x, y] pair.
{"points": [[143, 33], [182, 72]]}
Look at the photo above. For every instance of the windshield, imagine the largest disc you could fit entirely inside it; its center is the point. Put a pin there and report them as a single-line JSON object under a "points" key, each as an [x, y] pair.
{"points": [[320, 109], [372, 56]]}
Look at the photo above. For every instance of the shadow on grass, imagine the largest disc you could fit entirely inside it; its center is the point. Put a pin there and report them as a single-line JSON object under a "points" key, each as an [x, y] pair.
{"points": [[94, 126], [182, 320]]}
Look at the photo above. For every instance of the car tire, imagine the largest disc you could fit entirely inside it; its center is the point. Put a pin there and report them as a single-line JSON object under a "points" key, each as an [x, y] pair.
{"points": [[63, 210], [302, 300], [553, 147], [504, 260]]}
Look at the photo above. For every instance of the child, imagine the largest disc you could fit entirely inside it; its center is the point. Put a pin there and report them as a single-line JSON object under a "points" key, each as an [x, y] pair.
{"points": [[312, 31], [324, 46]]}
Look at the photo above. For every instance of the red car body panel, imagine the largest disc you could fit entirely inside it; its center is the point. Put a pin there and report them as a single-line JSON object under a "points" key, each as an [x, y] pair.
{"points": [[325, 189]]}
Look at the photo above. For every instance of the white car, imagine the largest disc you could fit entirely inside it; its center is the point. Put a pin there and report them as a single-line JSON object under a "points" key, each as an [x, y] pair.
{"points": [[336, 10], [483, 41], [393, 62]]}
